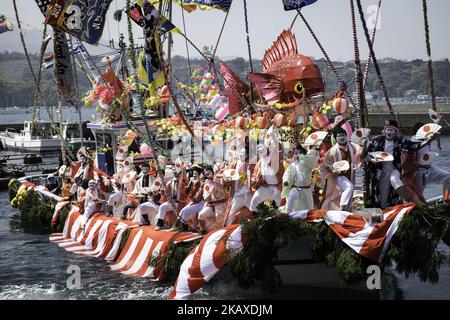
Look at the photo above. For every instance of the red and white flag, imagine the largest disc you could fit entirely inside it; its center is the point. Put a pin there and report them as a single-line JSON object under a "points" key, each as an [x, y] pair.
{"points": [[206, 260], [101, 237], [436, 117], [144, 248], [59, 206], [370, 240]]}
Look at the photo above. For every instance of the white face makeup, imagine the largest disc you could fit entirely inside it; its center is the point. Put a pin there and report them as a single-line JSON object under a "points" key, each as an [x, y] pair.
{"points": [[92, 185], [195, 174], [209, 174], [144, 170], [341, 139], [390, 133]]}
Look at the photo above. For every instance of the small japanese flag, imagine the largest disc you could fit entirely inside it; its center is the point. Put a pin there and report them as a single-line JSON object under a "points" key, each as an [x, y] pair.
{"points": [[436, 117]]}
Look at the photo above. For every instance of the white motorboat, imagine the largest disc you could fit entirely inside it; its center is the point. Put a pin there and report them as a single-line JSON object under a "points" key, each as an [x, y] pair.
{"points": [[41, 139]]}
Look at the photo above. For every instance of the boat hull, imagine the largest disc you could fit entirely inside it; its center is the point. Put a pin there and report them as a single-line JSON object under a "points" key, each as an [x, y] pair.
{"points": [[16, 142]]}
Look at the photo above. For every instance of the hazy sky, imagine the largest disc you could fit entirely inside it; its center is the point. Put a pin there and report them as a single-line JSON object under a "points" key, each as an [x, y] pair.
{"points": [[401, 33]]}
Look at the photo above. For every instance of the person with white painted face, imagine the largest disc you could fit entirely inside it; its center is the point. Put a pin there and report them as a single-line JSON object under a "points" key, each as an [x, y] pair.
{"points": [[194, 189], [267, 177], [297, 180], [215, 198], [176, 195], [242, 194], [340, 185], [384, 176], [428, 173], [92, 201]]}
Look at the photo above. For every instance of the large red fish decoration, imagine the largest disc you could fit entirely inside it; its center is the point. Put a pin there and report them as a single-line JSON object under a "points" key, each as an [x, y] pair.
{"points": [[286, 77]]}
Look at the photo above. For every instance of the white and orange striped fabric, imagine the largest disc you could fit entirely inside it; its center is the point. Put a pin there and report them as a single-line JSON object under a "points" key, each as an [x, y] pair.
{"points": [[101, 237], [58, 207], [206, 260], [370, 240], [145, 244]]}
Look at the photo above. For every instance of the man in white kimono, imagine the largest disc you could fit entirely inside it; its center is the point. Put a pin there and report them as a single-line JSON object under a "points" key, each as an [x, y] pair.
{"points": [[297, 181]]}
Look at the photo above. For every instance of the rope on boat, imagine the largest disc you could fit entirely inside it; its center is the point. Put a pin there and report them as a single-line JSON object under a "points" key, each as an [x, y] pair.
{"points": [[430, 61], [375, 61], [327, 59], [187, 48], [131, 50], [41, 59], [220, 33], [360, 96], [249, 47], [294, 20]]}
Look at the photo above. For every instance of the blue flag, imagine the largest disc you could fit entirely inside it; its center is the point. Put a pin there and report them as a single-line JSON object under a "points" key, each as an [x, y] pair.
{"points": [[85, 19], [296, 4]]}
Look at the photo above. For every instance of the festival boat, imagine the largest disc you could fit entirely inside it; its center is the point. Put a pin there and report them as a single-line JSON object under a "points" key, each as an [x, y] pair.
{"points": [[305, 247]]}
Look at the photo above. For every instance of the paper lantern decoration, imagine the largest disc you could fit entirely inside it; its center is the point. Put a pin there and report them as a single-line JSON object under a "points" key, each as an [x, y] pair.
{"points": [[145, 150], [319, 121], [280, 120], [207, 80], [222, 112], [241, 122], [262, 122], [164, 94], [340, 105]]}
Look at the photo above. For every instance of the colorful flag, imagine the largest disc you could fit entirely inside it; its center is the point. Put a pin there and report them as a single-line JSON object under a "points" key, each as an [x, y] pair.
{"points": [[77, 48], [149, 60], [63, 64], [296, 4], [191, 5], [206, 260], [137, 15], [48, 65], [85, 19]]}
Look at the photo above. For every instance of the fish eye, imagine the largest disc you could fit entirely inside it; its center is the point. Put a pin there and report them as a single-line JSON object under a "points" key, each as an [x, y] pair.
{"points": [[298, 88]]}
